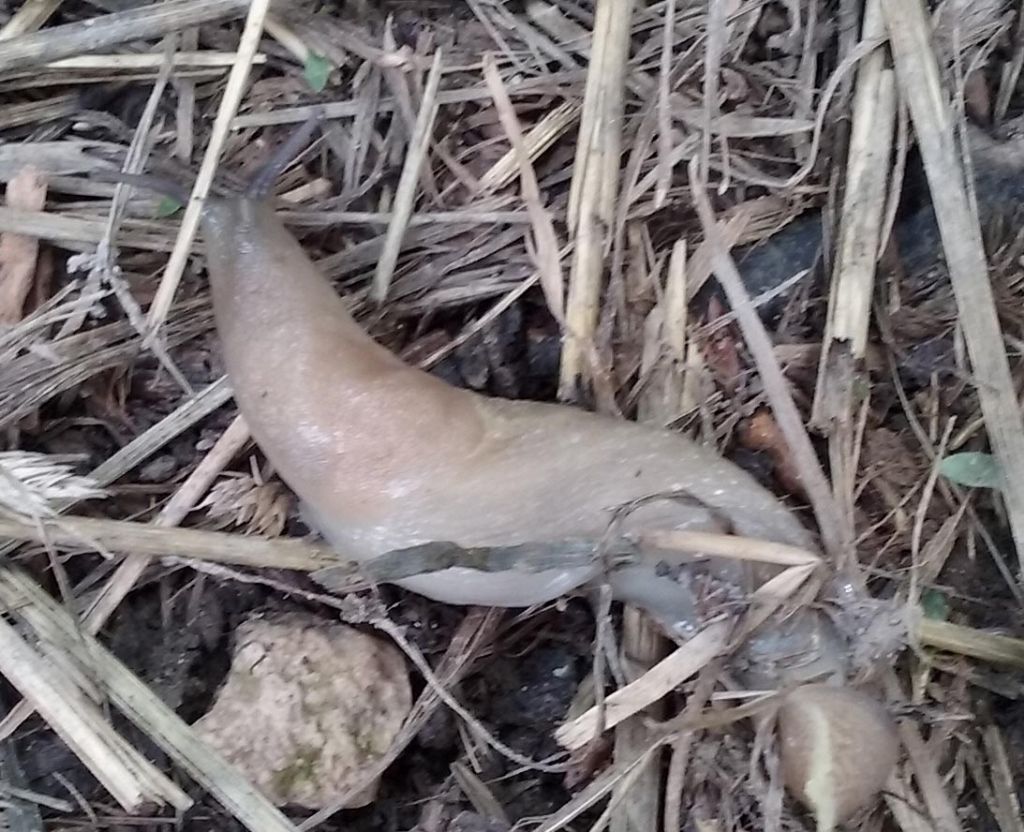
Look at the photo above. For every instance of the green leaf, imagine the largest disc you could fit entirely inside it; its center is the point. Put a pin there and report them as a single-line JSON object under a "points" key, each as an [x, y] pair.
{"points": [[316, 70], [972, 468], [167, 207], [934, 605]]}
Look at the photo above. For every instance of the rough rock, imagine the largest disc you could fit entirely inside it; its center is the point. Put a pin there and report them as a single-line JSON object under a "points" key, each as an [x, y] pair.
{"points": [[308, 707]]}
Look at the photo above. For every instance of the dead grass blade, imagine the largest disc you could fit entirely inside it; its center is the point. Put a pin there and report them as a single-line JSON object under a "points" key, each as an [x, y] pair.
{"points": [[54, 626], [546, 254], [405, 193], [97, 33], [918, 74], [232, 97], [679, 666]]}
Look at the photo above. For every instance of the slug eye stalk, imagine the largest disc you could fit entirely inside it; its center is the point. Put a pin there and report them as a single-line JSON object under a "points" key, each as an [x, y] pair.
{"points": [[264, 179], [261, 183]]}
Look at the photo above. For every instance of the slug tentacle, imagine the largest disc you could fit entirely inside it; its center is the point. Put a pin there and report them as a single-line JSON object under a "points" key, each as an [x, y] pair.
{"points": [[144, 181], [264, 180]]}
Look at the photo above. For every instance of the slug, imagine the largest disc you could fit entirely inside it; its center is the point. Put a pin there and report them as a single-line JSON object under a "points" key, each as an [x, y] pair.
{"points": [[385, 456]]}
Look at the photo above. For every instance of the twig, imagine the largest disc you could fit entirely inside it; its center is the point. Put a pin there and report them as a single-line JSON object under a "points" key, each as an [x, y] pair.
{"points": [[405, 195], [232, 97], [54, 626], [591, 211], [685, 662], [838, 540], [97, 33], [79, 722], [918, 74]]}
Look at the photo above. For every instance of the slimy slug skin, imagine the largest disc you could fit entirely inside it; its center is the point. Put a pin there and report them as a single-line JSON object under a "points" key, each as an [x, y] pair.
{"points": [[385, 456]]}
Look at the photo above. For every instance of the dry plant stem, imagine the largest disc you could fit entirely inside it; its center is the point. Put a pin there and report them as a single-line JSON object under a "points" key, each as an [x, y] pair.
{"points": [[150, 541], [918, 75], [405, 194], [846, 330], [642, 647], [904, 804], [710, 544], [874, 118], [1009, 814], [652, 686], [350, 108], [191, 491], [58, 228], [681, 745], [102, 32], [233, 92], [598, 788], [636, 806], [184, 500], [60, 631], [29, 18], [837, 539], [194, 410], [940, 808], [538, 139], [987, 647], [591, 211], [179, 60], [141, 448], [664, 164], [285, 36], [624, 796], [78, 721], [1011, 74], [103, 266], [546, 254]]}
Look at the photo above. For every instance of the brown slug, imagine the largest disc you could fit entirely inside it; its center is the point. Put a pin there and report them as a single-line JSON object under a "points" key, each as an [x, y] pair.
{"points": [[385, 456]]}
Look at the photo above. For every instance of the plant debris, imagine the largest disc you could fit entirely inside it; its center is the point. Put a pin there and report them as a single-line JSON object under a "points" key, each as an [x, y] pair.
{"points": [[789, 230]]}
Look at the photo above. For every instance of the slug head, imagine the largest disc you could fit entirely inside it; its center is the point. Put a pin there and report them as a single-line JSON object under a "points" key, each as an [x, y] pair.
{"points": [[219, 213]]}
